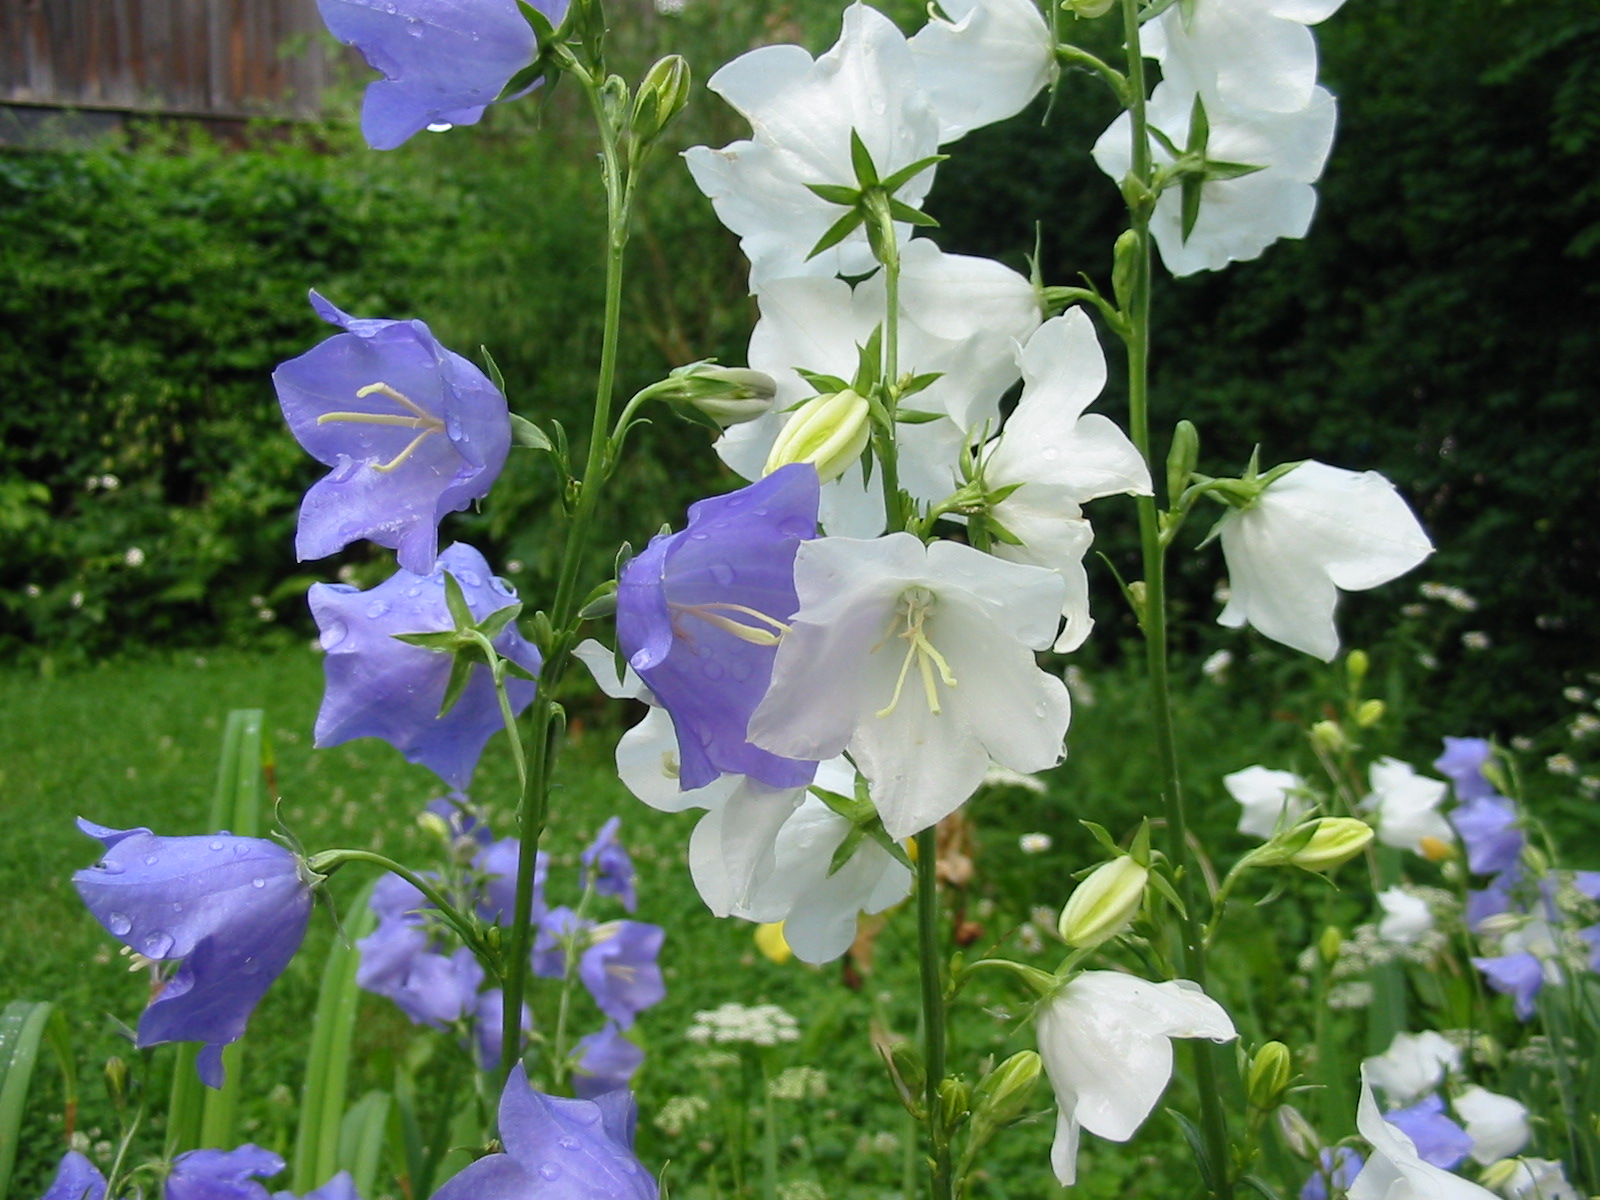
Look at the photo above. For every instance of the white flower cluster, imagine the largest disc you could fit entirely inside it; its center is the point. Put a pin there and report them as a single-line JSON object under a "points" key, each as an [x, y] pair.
{"points": [[739, 1024], [799, 1083]]}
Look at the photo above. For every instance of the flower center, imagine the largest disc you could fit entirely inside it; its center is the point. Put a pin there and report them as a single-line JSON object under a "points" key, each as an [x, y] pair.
{"points": [[910, 619], [419, 418], [742, 622]]}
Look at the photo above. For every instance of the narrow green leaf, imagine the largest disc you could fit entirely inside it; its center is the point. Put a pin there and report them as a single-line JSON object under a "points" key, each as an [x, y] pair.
{"points": [[186, 1105], [869, 362], [915, 416], [446, 642], [361, 1140], [1197, 1144], [495, 623], [456, 601], [826, 385], [861, 162], [22, 1028], [837, 232], [1199, 127], [492, 370], [918, 382], [836, 193], [460, 676], [529, 436], [1229, 170]]}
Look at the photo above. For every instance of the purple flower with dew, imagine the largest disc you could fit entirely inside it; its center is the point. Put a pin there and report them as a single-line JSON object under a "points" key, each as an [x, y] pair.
{"points": [[1338, 1164], [228, 912], [1438, 1139], [557, 928], [620, 970], [1519, 976], [221, 1174], [77, 1179], [608, 858], [699, 614], [489, 1030], [498, 863], [1462, 763], [1488, 828], [381, 687], [412, 431], [443, 61], [557, 1149], [605, 1062]]}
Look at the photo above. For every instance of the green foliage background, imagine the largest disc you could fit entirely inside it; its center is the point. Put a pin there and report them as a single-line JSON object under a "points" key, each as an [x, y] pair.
{"points": [[1438, 325]]}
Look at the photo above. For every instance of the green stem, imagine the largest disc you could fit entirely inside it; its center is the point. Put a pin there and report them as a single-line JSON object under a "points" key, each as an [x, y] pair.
{"points": [[929, 955], [1153, 617], [329, 861], [542, 734]]}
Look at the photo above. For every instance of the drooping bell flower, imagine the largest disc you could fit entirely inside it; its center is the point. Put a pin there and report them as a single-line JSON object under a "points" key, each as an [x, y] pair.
{"points": [[76, 1179], [413, 432], [1462, 763], [620, 969], [699, 615], [222, 1174], [381, 687], [1407, 808], [1413, 1065], [443, 61], [608, 859], [1255, 54], [1498, 1125], [984, 64], [1336, 1165], [1266, 798], [228, 913], [606, 1061], [557, 1149]]}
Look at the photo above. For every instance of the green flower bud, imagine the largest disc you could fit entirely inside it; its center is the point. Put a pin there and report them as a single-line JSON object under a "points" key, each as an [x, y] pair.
{"points": [[955, 1102], [727, 395], [662, 95], [1104, 903], [117, 1080], [1328, 944], [1269, 1076], [1125, 262], [1088, 9], [829, 432], [1355, 665], [1181, 459], [1327, 735], [1333, 841], [1369, 713], [1298, 1134], [1005, 1094]]}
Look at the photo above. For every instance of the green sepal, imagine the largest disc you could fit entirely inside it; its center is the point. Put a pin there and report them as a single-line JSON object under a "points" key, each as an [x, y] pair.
{"points": [[1229, 170], [894, 849], [517, 671], [1043, 984], [869, 359], [1167, 143], [602, 602], [998, 532], [446, 642], [916, 383], [901, 211], [915, 416], [826, 385], [836, 193], [456, 601], [494, 624], [1162, 884], [537, 21], [1102, 835], [1190, 195], [1199, 127], [1139, 848], [861, 162], [1153, 10], [907, 173], [492, 370], [837, 232], [460, 676], [846, 850], [854, 809]]}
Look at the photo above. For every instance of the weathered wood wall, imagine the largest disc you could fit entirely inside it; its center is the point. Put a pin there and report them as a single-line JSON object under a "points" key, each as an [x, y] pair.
{"points": [[217, 58]]}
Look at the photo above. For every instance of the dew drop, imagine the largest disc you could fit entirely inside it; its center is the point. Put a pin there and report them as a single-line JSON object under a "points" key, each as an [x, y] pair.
{"points": [[216, 844], [150, 860], [332, 634], [796, 527], [569, 1143], [376, 609], [722, 573], [156, 945], [740, 670], [241, 850], [712, 670], [414, 27], [501, 586], [585, 1116], [469, 579], [698, 536], [760, 511], [249, 966], [551, 1171], [258, 883], [452, 428], [118, 923], [413, 591], [442, 126], [111, 868], [176, 907]]}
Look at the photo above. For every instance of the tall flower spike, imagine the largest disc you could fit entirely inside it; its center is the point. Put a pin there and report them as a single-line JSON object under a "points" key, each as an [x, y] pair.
{"points": [[699, 614], [443, 61], [229, 912], [381, 687], [413, 432], [1310, 533]]}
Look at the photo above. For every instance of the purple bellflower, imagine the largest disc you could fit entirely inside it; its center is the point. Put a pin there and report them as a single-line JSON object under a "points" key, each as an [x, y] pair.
{"points": [[412, 431], [381, 687], [1488, 829], [557, 1149], [77, 1179], [228, 912], [498, 862], [557, 928], [698, 617], [608, 858], [338, 1187], [605, 1063], [620, 970], [1338, 1164], [1519, 976], [1490, 901], [1462, 763], [1438, 1139], [221, 1174], [443, 61]]}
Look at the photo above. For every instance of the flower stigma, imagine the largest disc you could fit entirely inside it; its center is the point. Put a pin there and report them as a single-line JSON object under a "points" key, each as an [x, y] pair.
{"points": [[713, 614], [421, 419], [912, 610]]}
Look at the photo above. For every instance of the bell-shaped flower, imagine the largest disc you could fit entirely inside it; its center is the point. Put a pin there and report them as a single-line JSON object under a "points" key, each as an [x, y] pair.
{"points": [[1498, 1125], [1520, 975], [412, 431], [802, 113], [699, 615], [1254, 54], [605, 1062], [1462, 764], [1406, 917], [1531, 1179], [228, 912], [76, 1179], [620, 969], [1395, 1171], [1488, 829], [1438, 1139], [608, 859], [221, 1174], [1413, 1065], [984, 64], [1106, 1042], [1267, 798], [1057, 458], [960, 318], [443, 61], [1240, 216], [1407, 808], [557, 1149], [920, 661], [1309, 533], [379, 686]]}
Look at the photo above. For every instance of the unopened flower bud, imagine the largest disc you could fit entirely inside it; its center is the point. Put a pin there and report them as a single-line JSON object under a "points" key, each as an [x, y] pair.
{"points": [[663, 93], [1298, 1133], [117, 1079], [1334, 841], [1269, 1076], [906, 1060], [1182, 459], [1089, 9], [1328, 944], [727, 395], [829, 432], [955, 1102], [1355, 665], [1005, 1094], [1125, 265], [1370, 713], [1327, 735], [1104, 903]]}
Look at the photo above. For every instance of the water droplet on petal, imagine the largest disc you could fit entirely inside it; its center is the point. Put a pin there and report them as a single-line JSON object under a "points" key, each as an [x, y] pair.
{"points": [[176, 907], [217, 844], [469, 578], [796, 527], [551, 1171], [150, 860], [332, 634], [452, 423], [712, 670], [414, 27], [569, 1143], [587, 1115], [241, 850], [722, 573], [111, 868], [739, 669], [376, 609], [258, 883], [413, 591], [249, 966], [118, 923], [156, 945]]}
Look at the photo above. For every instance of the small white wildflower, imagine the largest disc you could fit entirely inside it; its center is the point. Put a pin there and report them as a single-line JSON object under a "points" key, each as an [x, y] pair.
{"points": [[801, 1189], [1427, 661], [669, 8], [1222, 594], [76, 600], [513, 566], [1590, 785], [1521, 744], [346, 573], [1215, 667], [1034, 843], [1357, 994], [1029, 938], [110, 483], [1584, 724], [266, 614], [1475, 639], [79, 1141], [1561, 764], [134, 557], [678, 1113], [1413, 610], [1575, 695], [92, 483], [1080, 687], [799, 1083], [33, 591]]}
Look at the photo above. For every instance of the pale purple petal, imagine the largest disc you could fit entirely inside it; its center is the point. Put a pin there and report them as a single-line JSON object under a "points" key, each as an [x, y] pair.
{"points": [[606, 1062], [620, 970], [77, 1179], [1462, 763], [222, 1174], [1488, 829], [1438, 1139], [1519, 976]]}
